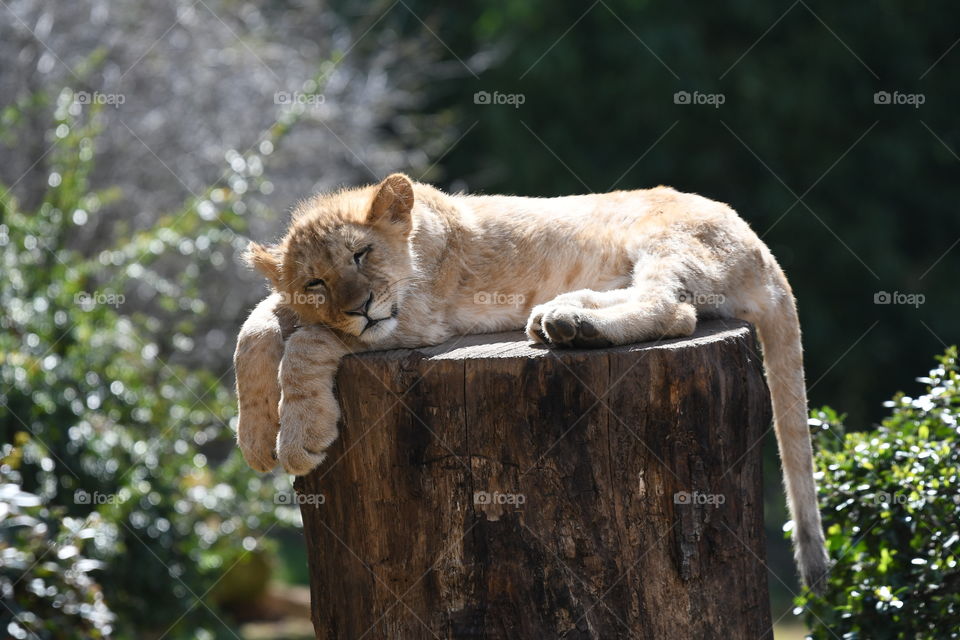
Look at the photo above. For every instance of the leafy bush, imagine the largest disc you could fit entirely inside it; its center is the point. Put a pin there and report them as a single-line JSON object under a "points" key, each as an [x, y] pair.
{"points": [[123, 448], [891, 498], [45, 582]]}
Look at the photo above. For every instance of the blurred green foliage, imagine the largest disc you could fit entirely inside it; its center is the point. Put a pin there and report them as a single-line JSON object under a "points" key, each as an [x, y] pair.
{"points": [[890, 499], [112, 448], [45, 580]]}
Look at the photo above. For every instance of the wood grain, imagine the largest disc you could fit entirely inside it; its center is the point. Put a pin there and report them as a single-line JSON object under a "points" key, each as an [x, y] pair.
{"points": [[488, 488]]}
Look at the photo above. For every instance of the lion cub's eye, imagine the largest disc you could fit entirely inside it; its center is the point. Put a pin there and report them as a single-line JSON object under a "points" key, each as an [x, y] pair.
{"points": [[359, 255], [313, 284]]}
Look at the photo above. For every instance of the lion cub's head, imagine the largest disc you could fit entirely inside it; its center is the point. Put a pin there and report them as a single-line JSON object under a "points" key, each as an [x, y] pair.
{"points": [[345, 261]]}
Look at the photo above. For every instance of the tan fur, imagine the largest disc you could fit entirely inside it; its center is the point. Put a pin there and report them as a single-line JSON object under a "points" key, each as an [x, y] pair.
{"points": [[584, 271]]}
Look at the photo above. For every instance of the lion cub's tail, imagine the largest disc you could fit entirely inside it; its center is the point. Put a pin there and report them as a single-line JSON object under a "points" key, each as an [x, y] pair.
{"points": [[779, 330]]}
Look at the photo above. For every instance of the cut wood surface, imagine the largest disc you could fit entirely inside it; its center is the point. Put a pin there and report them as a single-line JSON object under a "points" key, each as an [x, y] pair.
{"points": [[489, 488]]}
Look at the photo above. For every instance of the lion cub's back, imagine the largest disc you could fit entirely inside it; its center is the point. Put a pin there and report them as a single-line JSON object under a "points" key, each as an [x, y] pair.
{"points": [[596, 212]]}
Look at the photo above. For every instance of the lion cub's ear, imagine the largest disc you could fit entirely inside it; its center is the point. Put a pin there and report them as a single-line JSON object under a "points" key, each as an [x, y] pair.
{"points": [[393, 203], [266, 260]]}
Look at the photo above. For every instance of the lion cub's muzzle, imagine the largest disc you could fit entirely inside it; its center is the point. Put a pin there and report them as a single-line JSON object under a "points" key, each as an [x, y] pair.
{"points": [[371, 318]]}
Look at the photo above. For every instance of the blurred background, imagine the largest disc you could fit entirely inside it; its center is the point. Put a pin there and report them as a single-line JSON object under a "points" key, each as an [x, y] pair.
{"points": [[143, 144]]}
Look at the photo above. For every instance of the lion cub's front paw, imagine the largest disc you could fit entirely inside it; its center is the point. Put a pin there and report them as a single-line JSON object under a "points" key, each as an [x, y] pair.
{"points": [[257, 426], [307, 429]]}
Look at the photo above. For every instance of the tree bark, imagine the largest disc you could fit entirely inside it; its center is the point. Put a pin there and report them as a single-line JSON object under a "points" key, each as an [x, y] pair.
{"points": [[488, 488]]}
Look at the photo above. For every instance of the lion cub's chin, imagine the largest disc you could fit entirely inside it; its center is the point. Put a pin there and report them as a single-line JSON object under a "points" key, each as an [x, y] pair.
{"points": [[379, 331]]}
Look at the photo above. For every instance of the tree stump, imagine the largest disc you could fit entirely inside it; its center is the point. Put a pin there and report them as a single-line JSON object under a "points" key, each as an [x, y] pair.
{"points": [[489, 488]]}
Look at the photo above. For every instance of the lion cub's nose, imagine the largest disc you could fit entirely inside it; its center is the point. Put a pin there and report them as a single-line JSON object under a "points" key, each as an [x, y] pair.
{"points": [[360, 310]]}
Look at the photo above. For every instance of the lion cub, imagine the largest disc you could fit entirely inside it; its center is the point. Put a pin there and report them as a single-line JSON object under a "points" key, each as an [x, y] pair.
{"points": [[399, 264]]}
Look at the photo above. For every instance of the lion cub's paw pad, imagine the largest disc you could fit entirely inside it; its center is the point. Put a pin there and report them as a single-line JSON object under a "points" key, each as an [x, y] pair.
{"points": [[566, 329]]}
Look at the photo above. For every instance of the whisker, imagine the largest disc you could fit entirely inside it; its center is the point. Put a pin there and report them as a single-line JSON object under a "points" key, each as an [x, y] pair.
{"points": [[407, 279]]}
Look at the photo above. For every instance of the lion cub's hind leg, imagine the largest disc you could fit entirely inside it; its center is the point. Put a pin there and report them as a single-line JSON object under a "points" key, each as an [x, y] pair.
{"points": [[582, 299], [639, 319], [651, 309]]}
